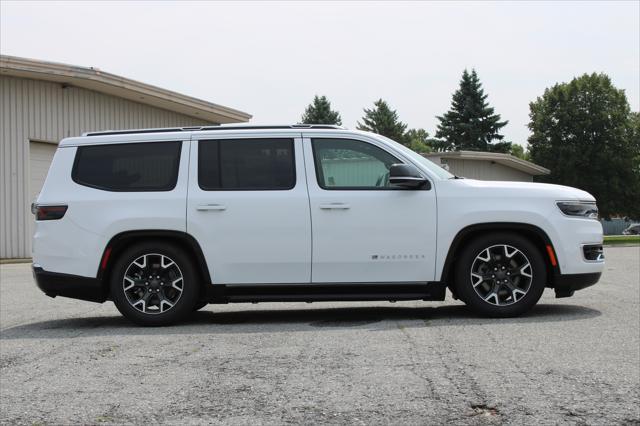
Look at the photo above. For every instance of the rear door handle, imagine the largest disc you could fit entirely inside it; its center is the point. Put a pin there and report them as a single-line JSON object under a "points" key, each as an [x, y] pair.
{"points": [[335, 206], [203, 207]]}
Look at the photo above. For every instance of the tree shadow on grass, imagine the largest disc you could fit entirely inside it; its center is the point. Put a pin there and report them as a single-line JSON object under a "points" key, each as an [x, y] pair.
{"points": [[374, 318]]}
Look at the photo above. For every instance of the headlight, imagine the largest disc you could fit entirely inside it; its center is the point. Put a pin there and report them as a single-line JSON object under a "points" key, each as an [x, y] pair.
{"points": [[586, 209]]}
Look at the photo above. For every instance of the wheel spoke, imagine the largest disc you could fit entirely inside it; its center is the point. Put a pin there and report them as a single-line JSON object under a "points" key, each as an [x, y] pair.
{"points": [[142, 264], [526, 270], [479, 279], [165, 262], [131, 282], [175, 282], [493, 295], [515, 292], [510, 254], [163, 303], [487, 255]]}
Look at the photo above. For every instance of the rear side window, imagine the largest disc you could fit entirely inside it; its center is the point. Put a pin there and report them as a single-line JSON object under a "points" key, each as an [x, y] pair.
{"points": [[131, 167], [246, 164]]}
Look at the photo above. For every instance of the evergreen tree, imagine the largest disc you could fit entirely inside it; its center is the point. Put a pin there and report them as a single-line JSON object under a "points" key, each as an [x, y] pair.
{"points": [[383, 120], [319, 112], [471, 124], [584, 132]]}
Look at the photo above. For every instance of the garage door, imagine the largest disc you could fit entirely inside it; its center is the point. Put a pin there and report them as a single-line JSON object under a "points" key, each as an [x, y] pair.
{"points": [[40, 154]]}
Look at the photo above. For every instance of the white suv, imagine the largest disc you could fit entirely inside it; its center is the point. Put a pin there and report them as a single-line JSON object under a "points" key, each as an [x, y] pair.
{"points": [[164, 221]]}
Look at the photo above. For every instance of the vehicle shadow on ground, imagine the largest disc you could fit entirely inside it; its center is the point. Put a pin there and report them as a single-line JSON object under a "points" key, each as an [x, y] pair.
{"points": [[291, 320]]}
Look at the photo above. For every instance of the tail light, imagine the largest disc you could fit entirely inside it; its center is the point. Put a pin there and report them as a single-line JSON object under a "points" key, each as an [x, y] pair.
{"points": [[48, 212]]}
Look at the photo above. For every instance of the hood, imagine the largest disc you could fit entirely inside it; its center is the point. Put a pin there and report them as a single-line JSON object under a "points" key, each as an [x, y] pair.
{"points": [[527, 189]]}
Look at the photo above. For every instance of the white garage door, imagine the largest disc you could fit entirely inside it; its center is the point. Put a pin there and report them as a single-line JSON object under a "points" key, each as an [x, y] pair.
{"points": [[40, 154]]}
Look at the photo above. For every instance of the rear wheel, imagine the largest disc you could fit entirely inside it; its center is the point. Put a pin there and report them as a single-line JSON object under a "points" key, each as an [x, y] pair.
{"points": [[500, 275], [154, 284]]}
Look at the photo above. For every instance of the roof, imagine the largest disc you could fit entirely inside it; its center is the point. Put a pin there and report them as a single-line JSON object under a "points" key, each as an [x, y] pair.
{"points": [[111, 84], [507, 160]]}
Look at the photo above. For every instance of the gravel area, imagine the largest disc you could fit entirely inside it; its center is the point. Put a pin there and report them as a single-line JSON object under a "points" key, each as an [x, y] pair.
{"points": [[570, 361]]}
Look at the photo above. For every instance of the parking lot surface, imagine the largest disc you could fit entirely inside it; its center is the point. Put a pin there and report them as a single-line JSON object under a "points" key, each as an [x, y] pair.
{"points": [[573, 361]]}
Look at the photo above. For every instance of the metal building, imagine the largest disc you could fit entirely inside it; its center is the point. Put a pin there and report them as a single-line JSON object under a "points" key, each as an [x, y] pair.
{"points": [[44, 102], [487, 165]]}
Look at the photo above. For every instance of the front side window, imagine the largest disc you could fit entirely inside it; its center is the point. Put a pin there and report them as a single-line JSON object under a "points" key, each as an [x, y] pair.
{"points": [[246, 164], [128, 167], [352, 164]]}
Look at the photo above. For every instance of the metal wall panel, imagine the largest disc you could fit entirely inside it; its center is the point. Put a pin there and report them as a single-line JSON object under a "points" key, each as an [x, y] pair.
{"points": [[33, 110], [486, 170]]}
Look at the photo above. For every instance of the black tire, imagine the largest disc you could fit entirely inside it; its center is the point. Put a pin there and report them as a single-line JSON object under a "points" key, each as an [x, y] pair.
{"points": [[464, 282], [184, 302]]}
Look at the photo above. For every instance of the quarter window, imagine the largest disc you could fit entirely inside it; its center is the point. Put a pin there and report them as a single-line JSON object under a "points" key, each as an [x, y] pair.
{"points": [[246, 164], [130, 167], [351, 164]]}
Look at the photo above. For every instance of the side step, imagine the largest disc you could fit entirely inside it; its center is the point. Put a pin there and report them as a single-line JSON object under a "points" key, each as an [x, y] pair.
{"points": [[326, 292]]}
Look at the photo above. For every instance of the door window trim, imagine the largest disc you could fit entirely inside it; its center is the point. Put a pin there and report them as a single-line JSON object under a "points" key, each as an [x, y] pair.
{"points": [[230, 137], [168, 188], [320, 177]]}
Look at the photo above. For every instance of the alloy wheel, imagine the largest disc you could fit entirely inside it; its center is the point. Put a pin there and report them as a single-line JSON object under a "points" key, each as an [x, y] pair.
{"points": [[153, 283], [501, 275]]}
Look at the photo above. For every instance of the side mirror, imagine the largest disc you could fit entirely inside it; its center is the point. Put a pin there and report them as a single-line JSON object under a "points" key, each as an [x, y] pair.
{"points": [[407, 176]]}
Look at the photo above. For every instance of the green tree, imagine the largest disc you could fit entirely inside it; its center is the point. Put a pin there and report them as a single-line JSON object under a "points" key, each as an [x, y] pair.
{"points": [[319, 112], [383, 120], [471, 124], [583, 131], [519, 151], [418, 140]]}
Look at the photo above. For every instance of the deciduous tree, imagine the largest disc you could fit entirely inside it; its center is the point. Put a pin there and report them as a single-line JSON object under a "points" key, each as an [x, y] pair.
{"points": [[584, 132]]}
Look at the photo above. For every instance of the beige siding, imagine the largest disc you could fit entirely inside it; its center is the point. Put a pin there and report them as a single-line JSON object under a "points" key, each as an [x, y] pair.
{"points": [[33, 110], [486, 170]]}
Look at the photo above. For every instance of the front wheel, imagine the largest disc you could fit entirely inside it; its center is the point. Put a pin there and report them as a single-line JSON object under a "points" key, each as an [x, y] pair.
{"points": [[154, 284], [500, 275]]}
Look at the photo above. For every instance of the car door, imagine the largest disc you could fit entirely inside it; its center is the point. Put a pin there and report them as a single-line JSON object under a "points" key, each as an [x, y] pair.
{"points": [[248, 208], [364, 229]]}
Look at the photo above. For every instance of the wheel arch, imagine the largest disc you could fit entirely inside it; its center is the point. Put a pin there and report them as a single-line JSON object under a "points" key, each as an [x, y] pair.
{"points": [[533, 233], [119, 242]]}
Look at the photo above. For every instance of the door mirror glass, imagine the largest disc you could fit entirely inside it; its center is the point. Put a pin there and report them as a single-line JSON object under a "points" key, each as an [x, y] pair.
{"points": [[407, 176]]}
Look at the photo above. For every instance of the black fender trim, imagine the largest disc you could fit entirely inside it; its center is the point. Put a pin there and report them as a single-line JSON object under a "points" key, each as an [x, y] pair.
{"points": [[121, 241], [540, 238]]}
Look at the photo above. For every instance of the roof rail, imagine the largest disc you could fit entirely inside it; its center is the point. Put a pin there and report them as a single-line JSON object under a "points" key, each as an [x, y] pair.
{"points": [[231, 127]]}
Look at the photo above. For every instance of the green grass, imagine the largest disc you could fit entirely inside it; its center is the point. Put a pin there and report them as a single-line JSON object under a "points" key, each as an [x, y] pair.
{"points": [[622, 239]]}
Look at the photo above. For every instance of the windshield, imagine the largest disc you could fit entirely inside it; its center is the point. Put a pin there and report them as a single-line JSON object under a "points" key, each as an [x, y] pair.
{"points": [[433, 167]]}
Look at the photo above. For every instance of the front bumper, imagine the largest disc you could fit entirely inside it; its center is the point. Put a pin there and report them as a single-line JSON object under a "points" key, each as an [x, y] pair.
{"points": [[76, 287], [566, 284]]}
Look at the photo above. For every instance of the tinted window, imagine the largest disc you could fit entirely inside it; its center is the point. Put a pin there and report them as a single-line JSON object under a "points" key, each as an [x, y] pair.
{"points": [[241, 164], [149, 166], [351, 164]]}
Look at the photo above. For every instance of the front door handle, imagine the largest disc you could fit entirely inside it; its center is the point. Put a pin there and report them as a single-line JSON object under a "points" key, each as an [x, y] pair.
{"points": [[335, 206], [204, 207]]}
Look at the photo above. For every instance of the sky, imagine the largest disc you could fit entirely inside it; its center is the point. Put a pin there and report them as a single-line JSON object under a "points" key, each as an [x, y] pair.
{"points": [[270, 58]]}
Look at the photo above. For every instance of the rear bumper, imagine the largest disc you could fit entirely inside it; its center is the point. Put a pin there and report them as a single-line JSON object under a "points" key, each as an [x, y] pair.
{"points": [[566, 284], [76, 287]]}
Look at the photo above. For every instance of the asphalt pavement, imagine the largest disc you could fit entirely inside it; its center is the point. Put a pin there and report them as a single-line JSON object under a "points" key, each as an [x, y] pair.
{"points": [[570, 361]]}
